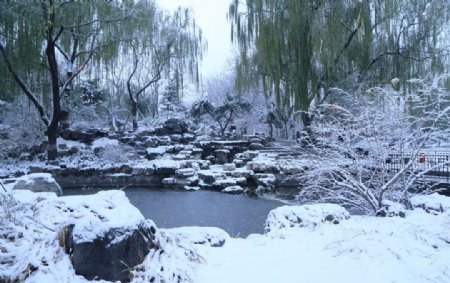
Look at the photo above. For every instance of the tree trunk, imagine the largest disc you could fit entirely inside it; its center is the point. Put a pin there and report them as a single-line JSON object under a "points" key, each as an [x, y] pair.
{"points": [[271, 130], [52, 135], [134, 112]]}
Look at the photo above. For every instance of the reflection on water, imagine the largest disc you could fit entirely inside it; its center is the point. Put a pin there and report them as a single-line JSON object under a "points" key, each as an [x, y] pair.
{"points": [[239, 215]]}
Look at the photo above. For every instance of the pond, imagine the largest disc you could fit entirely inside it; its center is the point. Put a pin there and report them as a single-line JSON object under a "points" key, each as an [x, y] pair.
{"points": [[239, 215]]}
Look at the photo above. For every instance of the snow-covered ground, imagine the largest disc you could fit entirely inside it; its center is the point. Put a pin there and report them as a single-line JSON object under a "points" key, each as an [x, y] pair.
{"points": [[317, 243], [361, 249]]}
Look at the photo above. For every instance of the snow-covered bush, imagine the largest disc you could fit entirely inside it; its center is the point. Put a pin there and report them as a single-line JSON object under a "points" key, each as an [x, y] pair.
{"points": [[368, 148]]}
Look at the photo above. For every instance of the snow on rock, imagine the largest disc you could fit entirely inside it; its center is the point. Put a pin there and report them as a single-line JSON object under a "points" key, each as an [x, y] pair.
{"points": [[286, 217], [434, 203], [211, 236], [105, 257], [33, 227], [37, 182], [154, 152], [94, 217], [233, 190]]}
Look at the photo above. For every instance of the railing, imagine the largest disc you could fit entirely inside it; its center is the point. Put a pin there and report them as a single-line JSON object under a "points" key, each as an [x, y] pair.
{"points": [[436, 162]]}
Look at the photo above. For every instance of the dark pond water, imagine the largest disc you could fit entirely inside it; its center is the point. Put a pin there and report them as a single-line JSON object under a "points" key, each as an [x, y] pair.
{"points": [[239, 215]]}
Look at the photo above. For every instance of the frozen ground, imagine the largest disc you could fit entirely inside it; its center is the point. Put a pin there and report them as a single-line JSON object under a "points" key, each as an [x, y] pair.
{"points": [[303, 244]]}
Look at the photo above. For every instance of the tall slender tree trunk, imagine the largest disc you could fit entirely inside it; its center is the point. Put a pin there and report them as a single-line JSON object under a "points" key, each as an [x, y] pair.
{"points": [[52, 129], [134, 112], [52, 135]]}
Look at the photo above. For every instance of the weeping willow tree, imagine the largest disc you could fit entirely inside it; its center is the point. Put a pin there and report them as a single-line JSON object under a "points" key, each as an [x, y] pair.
{"points": [[295, 49], [45, 45], [159, 45]]}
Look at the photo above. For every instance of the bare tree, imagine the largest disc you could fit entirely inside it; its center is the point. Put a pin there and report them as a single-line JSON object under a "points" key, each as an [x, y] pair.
{"points": [[371, 148]]}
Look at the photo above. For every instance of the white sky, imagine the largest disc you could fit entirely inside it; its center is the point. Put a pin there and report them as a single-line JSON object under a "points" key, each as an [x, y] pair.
{"points": [[210, 15]]}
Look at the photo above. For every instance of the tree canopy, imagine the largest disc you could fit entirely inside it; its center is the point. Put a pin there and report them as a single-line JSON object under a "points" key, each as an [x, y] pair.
{"points": [[295, 48]]}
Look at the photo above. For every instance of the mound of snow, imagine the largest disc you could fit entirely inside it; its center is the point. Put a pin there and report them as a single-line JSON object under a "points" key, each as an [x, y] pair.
{"points": [[434, 203], [286, 217], [212, 236]]}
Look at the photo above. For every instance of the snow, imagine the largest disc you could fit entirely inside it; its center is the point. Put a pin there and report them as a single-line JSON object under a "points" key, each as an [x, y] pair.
{"points": [[287, 217], [104, 142], [433, 202], [212, 236], [70, 144], [414, 249], [304, 244]]}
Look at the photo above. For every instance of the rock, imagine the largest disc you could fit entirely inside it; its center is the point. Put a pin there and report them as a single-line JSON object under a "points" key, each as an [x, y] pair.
{"points": [[240, 173], [168, 181], [173, 126], [229, 167], [265, 180], [238, 163], [249, 155], [211, 236], [180, 157], [263, 166], [189, 188], [224, 183], [256, 146], [164, 140], [112, 256], [256, 140], [391, 209], [233, 190], [187, 138], [221, 156], [151, 142], [288, 217], [175, 138], [209, 177], [167, 167], [154, 152], [38, 182], [125, 169], [184, 173]]}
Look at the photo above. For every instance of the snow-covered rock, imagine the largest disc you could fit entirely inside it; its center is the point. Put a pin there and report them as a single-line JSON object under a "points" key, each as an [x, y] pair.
{"points": [[229, 167], [35, 246], [212, 236], [105, 257], [38, 182], [287, 217], [434, 203], [233, 190], [155, 152], [221, 156], [185, 172]]}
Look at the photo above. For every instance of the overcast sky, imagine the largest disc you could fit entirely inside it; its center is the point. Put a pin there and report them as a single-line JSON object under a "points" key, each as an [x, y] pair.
{"points": [[211, 17]]}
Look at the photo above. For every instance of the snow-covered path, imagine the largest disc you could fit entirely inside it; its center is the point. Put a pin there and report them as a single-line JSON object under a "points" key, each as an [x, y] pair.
{"points": [[362, 249]]}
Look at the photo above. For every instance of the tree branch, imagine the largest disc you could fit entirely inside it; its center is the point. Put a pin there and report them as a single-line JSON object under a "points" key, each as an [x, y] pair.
{"points": [[24, 87]]}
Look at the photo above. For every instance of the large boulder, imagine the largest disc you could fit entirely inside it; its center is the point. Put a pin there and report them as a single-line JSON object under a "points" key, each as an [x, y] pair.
{"points": [[112, 256], [38, 182], [172, 126]]}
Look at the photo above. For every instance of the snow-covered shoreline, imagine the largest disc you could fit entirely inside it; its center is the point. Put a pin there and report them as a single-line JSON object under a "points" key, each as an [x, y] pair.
{"points": [[318, 243]]}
